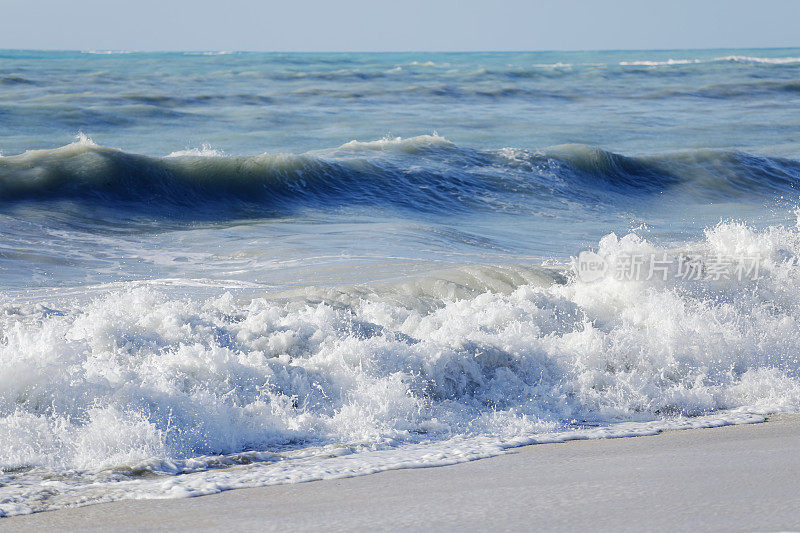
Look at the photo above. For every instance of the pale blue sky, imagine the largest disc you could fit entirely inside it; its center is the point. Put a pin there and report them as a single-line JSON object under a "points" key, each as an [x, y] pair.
{"points": [[404, 25]]}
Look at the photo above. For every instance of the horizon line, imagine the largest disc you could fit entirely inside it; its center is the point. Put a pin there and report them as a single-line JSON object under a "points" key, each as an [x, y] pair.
{"points": [[496, 51]]}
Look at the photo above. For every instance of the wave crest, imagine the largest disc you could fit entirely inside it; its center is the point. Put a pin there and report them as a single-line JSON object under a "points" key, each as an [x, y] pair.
{"points": [[427, 174]]}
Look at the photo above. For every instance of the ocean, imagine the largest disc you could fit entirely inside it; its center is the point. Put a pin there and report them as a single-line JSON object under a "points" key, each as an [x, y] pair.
{"points": [[230, 269]]}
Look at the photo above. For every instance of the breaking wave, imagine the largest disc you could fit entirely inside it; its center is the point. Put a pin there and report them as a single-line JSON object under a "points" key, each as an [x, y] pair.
{"points": [[137, 394], [426, 174]]}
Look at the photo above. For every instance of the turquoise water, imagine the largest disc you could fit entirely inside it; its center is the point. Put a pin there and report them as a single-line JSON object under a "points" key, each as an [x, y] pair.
{"points": [[533, 165], [251, 103], [230, 269]]}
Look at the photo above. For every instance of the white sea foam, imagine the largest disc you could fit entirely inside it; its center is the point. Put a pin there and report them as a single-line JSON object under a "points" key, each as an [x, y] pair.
{"points": [[108, 52], [81, 139], [397, 142], [660, 63], [768, 60], [329, 383], [553, 65], [732, 58], [204, 151]]}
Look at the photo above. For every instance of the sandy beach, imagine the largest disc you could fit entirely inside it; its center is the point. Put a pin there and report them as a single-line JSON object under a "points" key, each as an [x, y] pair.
{"points": [[733, 478]]}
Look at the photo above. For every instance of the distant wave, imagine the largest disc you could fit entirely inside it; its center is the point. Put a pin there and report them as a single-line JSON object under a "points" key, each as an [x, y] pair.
{"points": [[110, 52], [650, 63], [769, 60], [733, 90], [732, 58], [427, 174], [15, 80]]}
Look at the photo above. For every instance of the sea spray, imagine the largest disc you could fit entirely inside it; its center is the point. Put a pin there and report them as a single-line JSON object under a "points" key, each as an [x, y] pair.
{"points": [[136, 382]]}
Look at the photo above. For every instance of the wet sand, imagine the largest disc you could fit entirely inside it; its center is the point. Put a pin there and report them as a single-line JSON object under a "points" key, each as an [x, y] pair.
{"points": [[734, 478]]}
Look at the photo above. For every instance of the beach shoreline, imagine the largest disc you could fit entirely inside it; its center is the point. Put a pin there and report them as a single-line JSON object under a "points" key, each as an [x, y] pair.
{"points": [[740, 477]]}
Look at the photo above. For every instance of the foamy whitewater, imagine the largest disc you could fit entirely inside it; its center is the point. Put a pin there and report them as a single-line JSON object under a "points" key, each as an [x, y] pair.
{"points": [[206, 283]]}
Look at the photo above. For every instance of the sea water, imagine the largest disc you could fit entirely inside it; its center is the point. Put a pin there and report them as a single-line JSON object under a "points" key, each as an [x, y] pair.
{"points": [[221, 270]]}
